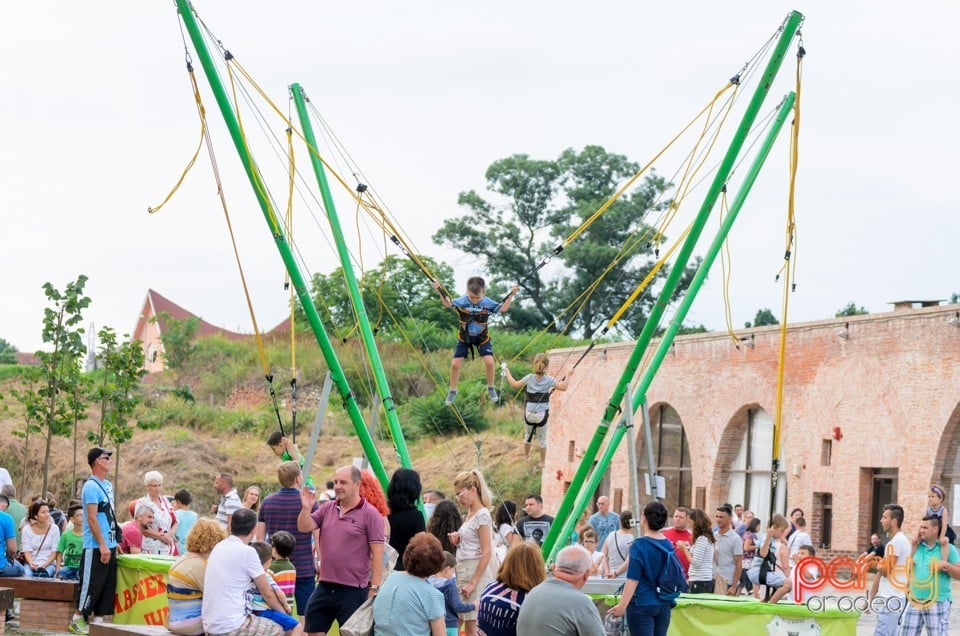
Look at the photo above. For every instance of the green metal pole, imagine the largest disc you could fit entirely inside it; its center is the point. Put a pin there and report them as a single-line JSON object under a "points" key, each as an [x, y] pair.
{"points": [[299, 285], [639, 398], [787, 32], [366, 333]]}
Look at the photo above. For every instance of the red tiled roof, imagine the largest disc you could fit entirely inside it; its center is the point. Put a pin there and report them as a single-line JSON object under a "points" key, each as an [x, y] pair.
{"points": [[27, 359], [283, 327], [162, 304]]}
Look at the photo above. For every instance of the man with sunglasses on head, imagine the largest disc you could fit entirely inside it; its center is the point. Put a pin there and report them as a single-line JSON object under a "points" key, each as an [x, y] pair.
{"points": [[98, 565]]}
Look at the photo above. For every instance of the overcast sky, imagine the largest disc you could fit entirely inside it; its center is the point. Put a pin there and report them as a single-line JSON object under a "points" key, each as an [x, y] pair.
{"points": [[97, 120]]}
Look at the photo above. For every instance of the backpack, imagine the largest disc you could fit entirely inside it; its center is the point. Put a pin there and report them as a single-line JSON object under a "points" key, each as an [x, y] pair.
{"points": [[671, 582]]}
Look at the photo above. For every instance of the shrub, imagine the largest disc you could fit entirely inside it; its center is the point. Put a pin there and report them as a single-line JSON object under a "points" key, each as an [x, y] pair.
{"points": [[428, 415]]}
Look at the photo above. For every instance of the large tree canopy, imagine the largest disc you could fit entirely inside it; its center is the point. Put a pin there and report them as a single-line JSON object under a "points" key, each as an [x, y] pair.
{"points": [[395, 289], [532, 206]]}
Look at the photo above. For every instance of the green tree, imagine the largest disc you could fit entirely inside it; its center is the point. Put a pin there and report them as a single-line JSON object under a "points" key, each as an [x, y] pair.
{"points": [[178, 338], [851, 310], [117, 389], [31, 406], [8, 353], [763, 318], [508, 236], [532, 206], [60, 368], [395, 289], [954, 298]]}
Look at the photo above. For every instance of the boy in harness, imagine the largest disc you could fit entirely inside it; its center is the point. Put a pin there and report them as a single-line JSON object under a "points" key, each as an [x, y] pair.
{"points": [[473, 310]]}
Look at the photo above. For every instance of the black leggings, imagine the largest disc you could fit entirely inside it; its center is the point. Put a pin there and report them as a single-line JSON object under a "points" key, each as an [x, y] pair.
{"points": [[701, 587]]}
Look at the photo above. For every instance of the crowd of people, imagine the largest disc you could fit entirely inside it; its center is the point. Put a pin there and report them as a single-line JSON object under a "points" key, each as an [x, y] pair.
{"points": [[300, 559]]}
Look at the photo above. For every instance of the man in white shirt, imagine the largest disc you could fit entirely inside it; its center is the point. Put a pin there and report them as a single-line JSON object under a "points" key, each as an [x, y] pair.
{"points": [[231, 567], [893, 568]]}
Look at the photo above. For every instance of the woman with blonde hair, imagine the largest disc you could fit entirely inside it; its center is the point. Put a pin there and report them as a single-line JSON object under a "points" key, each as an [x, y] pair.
{"points": [[537, 401], [521, 571], [251, 498], [161, 537], [185, 578], [474, 542]]}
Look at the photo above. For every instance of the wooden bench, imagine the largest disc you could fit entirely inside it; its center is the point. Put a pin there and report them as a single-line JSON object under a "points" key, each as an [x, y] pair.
{"points": [[112, 629], [45, 603]]}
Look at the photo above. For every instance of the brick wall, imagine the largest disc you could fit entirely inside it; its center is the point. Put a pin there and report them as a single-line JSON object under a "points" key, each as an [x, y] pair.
{"points": [[892, 386], [51, 615]]}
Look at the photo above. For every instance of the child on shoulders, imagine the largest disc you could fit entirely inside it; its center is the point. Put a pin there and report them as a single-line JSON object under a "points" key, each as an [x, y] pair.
{"points": [[935, 508]]}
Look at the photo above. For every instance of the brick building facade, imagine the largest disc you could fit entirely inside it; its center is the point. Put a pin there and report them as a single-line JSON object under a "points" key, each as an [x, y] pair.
{"points": [[871, 414]]}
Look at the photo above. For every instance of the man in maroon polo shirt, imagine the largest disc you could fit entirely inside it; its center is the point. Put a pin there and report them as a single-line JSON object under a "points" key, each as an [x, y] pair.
{"points": [[351, 551]]}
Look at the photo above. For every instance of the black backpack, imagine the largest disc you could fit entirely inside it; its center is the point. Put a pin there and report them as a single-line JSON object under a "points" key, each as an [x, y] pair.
{"points": [[671, 582]]}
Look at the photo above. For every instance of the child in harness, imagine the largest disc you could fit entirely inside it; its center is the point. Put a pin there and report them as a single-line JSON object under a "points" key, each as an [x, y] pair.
{"points": [[536, 409]]}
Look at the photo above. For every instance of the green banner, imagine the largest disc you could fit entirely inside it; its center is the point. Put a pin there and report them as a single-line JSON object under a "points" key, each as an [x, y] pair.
{"points": [[719, 615], [141, 593]]}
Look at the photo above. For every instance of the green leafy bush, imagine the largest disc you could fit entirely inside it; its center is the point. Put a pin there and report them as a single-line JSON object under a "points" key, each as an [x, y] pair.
{"points": [[428, 415]]}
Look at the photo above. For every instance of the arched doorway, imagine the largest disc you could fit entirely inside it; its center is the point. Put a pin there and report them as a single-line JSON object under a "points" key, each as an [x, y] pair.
{"points": [[745, 466], [671, 454], [946, 472]]}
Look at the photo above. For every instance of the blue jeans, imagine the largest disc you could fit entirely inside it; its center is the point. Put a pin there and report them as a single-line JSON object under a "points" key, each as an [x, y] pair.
{"points": [[50, 569], [11, 567], [648, 620], [303, 591]]}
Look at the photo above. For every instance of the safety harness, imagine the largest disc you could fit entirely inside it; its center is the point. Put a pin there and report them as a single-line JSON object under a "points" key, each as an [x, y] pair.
{"points": [[473, 313], [535, 419]]}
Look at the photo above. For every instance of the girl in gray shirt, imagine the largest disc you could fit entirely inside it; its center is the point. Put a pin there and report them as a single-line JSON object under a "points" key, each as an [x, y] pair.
{"points": [[536, 410]]}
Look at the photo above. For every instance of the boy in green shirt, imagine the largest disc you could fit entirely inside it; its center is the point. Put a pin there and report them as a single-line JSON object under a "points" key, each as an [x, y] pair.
{"points": [[70, 548], [287, 451]]}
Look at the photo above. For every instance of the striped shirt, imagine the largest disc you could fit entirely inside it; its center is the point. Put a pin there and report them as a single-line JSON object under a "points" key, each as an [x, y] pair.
{"points": [[286, 577], [229, 503], [499, 609], [185, 595]]}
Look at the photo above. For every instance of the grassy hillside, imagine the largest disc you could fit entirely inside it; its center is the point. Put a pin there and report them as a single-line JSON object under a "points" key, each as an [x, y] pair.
{"points": [[225, 425]]}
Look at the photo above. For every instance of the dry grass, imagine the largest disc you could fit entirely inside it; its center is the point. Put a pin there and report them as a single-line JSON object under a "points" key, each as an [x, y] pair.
{"points": [[190, 459]]}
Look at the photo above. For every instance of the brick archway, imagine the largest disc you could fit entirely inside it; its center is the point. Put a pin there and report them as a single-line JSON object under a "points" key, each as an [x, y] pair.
{"points": [[755, 472], [671, 453], [946, 469]]}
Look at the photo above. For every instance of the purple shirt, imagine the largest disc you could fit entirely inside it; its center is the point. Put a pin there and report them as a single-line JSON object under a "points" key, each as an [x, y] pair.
{"points": [[279, 511], [345, 542]]}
